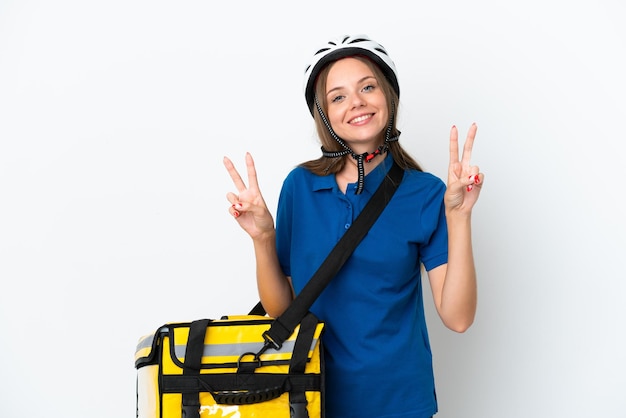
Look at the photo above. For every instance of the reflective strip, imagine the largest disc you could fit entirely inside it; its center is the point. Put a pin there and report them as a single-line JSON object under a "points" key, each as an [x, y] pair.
{"points": [[144, 346], [145, 342], [225, 350]]}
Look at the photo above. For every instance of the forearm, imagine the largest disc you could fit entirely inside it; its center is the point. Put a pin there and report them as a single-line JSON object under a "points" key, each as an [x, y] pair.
{"points": [[274, 288], [459, 293]]}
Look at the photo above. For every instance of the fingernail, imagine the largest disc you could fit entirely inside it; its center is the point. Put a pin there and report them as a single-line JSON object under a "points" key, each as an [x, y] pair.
{"points": [[476, 179], [470, 187], [236, 214], [237, 206]]}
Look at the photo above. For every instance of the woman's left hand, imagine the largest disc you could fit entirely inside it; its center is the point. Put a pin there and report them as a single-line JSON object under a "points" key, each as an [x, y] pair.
{"points": [[464, 180]]}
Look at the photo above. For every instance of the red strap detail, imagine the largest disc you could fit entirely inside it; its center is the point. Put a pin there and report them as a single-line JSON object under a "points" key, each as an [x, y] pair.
{"points": [[371, 156]]}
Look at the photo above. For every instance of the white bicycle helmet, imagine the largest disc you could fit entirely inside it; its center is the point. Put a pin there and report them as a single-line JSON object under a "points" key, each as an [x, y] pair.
{"points": [[344, 47]]}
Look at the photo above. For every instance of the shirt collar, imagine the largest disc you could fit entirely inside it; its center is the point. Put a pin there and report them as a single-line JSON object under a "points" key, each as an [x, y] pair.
{"points": [[372, 179]]}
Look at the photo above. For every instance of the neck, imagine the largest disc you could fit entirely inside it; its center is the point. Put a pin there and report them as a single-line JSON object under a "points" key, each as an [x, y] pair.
{"points": [[365, 147], [370, 161]]}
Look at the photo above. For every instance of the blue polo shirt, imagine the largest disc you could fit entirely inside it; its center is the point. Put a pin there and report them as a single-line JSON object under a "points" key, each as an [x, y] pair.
{"points": [[377, 351]]}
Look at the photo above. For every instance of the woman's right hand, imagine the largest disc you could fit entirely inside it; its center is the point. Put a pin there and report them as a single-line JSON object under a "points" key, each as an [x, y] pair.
{"points": [[248, 206]]}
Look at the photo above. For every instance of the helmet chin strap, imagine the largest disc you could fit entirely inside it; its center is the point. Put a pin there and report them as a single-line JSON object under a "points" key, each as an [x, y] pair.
{"points": [[360, 158]]}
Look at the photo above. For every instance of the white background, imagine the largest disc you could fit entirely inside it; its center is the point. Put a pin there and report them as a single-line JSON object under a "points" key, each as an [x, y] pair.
{"points": [[115, 117]]}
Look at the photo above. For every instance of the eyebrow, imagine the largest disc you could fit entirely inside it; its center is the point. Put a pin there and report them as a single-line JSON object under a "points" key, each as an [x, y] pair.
{"points": [[358, 82]]}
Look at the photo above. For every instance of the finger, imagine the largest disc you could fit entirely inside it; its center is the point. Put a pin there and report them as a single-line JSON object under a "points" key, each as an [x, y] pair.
{"points": [[252, 177], [236, 206], [469, 144], [454, 145], [474, 180], [234, 175], [234, 212], [232, 198], [473, 170]]}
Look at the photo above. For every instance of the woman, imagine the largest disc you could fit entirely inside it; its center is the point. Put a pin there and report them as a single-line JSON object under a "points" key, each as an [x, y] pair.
{"points": [[378, 357]]}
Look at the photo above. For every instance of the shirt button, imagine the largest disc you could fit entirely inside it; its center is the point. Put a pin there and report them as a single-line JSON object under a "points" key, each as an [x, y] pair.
{"points": [[346, 226]]}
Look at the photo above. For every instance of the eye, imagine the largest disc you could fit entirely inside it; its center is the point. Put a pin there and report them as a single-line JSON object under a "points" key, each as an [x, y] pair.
{"points": [[369, 87], [337, 99]]}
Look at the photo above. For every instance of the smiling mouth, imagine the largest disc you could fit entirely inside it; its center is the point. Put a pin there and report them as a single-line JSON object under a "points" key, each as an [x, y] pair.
{"points": [[361, 118]]}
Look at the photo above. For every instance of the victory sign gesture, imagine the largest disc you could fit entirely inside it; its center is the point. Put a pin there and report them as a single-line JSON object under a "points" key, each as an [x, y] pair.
{"points": [[464, 180]]}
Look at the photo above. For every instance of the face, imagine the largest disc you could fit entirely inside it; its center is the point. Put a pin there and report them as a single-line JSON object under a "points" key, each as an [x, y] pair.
{"points": [[357, 108]]}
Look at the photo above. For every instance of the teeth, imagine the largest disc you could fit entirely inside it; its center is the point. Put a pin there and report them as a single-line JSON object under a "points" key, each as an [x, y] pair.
{"points": [[360, 118]]}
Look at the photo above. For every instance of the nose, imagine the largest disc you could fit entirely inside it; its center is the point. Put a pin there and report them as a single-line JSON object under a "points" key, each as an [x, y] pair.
{"points": [[357, 101]]}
